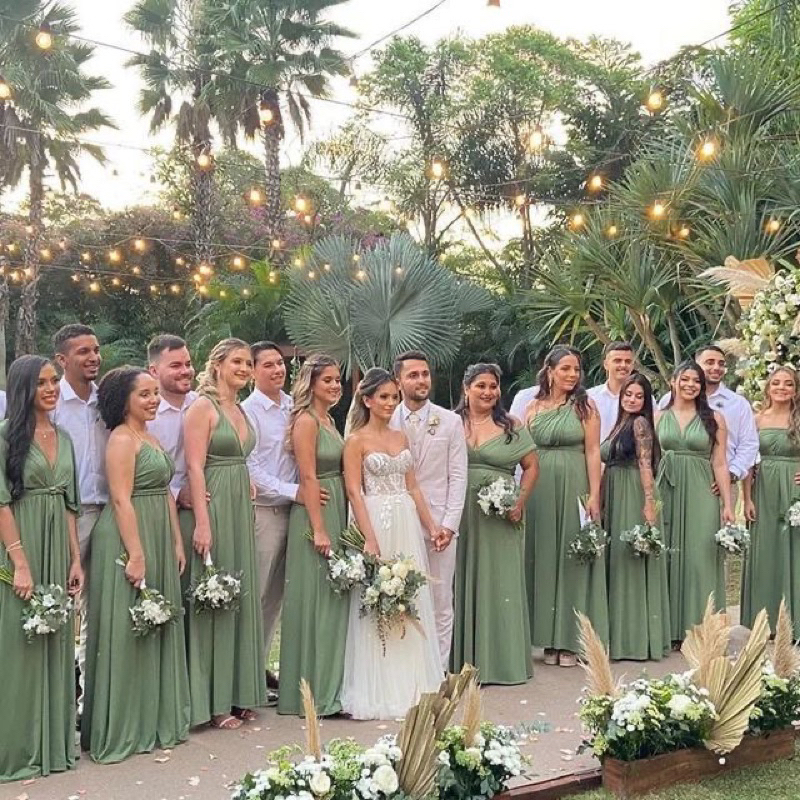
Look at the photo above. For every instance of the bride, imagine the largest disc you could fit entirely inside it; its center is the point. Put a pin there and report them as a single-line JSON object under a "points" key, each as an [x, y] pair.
{"points": [[388, 506]]}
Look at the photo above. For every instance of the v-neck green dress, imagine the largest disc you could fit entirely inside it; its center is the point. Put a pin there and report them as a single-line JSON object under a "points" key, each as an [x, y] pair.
{"points": [[226, 649], [314, 618], [492, 629], [691, 513], [137, 692], [37, 680], [772, 566], [558, 586]]}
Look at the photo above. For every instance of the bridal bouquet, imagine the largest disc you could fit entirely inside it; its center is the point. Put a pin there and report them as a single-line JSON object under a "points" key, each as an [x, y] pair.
{"points": [[644, 540], [389, 594], [590, 541], [792, 518], [217, 590], [47, 611], [498, 497], [733, 539]]}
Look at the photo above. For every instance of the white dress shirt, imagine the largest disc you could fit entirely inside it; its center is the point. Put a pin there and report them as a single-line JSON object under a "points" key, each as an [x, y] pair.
{"points": [[607, 404], [2, 404], [167, 427], [742, 451], [272, 467], [523, 399], [81, 420]]}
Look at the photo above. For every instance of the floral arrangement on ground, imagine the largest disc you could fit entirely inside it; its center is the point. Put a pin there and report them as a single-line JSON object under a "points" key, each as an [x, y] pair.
{"points": [[713, 705]]}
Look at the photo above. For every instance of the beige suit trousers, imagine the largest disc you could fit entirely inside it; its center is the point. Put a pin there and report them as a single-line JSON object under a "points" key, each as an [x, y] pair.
{"points": [[272, 525]]}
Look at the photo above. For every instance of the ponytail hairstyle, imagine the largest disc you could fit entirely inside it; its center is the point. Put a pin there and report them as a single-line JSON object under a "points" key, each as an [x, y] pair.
{"points": [[208, 379], [704, 410], [113, 394], [794, 405], [499, 414], [23, 381], [303, 389], [622, 439], [578, 396], [358, 415]]}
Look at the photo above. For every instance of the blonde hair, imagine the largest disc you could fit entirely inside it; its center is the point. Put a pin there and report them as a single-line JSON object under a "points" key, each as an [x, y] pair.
{"points": [[358, 415], [303, 389], [794, 405], [208, 379]]}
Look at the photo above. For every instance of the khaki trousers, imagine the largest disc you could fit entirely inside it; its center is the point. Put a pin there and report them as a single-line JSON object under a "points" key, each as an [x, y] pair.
{"points": [[86, 521], [272, 526]]}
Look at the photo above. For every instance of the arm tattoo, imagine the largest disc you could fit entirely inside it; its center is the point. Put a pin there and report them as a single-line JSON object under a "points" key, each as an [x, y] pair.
{"points": [[643, 437]]}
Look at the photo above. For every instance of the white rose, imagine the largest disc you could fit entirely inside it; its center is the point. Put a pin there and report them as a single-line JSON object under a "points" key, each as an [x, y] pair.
{"points": [[320, 783], [385, 778], [384, 573], [400, 570]]}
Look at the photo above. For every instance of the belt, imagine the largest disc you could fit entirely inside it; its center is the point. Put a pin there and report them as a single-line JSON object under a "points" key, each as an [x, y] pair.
{"points": [[783, 459], [571, 449], [224, 461], [47, 490], [666, 468], [155, 491]]}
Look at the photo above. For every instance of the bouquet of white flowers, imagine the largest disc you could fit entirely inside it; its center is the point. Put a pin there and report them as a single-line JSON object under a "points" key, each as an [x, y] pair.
{"points": [[348, 566], [644, 540], [151, 611], [733, 539], [481, 769], [498, 497], [792, 518], [217, 590], [378, 776], [389, 593], [590, 541], [47, 611]]}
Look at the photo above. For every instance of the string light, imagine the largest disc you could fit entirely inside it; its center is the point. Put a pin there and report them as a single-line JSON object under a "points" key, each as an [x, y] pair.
{"points": [[361, 274], [223, 293], [308, 219], [520, 200], [139, 245], [175, 289], [11, 247], [300, 204], [536, 140], [115, 281], [246, 292], [612, 231], [153, 288], [5, 89], [276, 244], [44, 37], [356, 257], [437, 169], [75, 277], [254, 196], [657, 210], [204, 160], [202, 289], [114, 256], [595, 183], [655, 101], [177, 214], [238, 262], [265, 114], [773, 226], [311, 274], [136, 270], [707, 150], [86, 257], [180, 261], [197, 277], [326, 267], [273, 276], [577, 220], [46, 253], [205, 269], [398, 270], [94, 286], [684, 232], [298, 262]]}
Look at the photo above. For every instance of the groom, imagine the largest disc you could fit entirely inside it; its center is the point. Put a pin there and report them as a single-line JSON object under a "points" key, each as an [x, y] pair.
{"points": [[436, 437]]}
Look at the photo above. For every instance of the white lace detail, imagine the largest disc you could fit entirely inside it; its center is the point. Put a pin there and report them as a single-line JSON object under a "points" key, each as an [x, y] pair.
{"points": [[385, 474]]}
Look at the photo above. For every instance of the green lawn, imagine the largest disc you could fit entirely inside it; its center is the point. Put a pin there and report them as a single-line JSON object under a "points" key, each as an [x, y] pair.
{"points": [[778, 781]]}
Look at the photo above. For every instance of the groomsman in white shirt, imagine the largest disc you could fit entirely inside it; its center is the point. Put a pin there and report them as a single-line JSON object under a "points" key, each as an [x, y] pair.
{"points": [[439, 449], [170, 363], [618, 364], [273, 472], [77, 352], [742, 448]]}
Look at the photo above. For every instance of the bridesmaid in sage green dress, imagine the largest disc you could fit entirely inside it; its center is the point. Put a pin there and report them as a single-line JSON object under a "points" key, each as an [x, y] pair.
{"points": [[638, 602], [693, 440], [314, 618], [772, 566], [227, 673], [39, 544], [565, 428], [492, 629], [137, 693]]}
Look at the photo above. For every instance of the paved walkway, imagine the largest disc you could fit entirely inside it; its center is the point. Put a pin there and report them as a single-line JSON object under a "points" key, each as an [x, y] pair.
{"points": [[205, 766]]}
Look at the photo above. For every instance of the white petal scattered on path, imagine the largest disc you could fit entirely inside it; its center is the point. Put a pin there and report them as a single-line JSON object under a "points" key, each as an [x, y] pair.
{"points": [[194, 780]]}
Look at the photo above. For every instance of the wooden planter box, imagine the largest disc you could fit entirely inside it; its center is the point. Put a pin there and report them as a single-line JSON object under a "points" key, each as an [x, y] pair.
{"points": [[632, 778]]}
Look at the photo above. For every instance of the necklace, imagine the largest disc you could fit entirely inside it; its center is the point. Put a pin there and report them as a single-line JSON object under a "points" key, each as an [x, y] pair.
{"points": [[482, 422], [44, 432]]}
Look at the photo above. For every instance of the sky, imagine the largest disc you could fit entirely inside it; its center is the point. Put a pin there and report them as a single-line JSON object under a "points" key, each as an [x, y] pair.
{"points": [[656, 30]]}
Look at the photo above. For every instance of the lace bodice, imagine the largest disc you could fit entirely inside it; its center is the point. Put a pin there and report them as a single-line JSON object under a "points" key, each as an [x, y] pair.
{"points": [[386, 474]]}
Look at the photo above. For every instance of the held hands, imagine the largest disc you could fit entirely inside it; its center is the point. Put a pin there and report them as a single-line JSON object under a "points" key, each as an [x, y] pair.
{"points": [[201, 541], [750, 511], [441, 538], [23, 582], [134, 570], [184, 498], [75, 579], [322, 543]]}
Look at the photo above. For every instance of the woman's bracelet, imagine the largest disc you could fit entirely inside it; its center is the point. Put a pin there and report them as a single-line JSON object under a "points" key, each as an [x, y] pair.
{"points": [[14, 546]]}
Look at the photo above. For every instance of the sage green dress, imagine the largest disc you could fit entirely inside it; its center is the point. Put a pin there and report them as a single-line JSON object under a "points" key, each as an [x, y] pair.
{"points": [[226, 648], [137, 692], [638, 600], [37, 680], [558, 585], [492, 629], [314, 618], [691, 513], [772, 566]]}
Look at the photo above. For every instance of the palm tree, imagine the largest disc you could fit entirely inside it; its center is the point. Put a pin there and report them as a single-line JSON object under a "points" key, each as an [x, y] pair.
{"points": [[365, 308], [275, 53], [177, 72], [50, 90]]}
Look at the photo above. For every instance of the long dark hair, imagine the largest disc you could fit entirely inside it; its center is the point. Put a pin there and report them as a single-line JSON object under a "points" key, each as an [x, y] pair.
{"points": [[23, 381], [621, 440], [577, 396], [114, 392], [704, 410], [499, 413]]}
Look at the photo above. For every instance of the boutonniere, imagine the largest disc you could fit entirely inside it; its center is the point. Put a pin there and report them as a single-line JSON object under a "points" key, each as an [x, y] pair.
{"points": [[433, 424]]}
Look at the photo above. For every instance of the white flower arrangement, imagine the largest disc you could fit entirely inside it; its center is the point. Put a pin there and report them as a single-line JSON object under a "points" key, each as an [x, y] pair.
{"points": [[733, 539], [591, 540], [792, 517], [766, 330], [48, 610], [779, 704], [644, 540], [151, 611], [498, 497], [433, 424], [346, 571], [217, 590]]}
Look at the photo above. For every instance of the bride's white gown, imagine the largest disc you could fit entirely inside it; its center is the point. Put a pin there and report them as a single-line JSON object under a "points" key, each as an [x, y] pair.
{"points": [[378, 686]]}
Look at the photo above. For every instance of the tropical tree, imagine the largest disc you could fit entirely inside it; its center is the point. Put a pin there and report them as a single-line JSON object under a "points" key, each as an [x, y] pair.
{"points": [[271, 55], [50, 91], [177, 73]]}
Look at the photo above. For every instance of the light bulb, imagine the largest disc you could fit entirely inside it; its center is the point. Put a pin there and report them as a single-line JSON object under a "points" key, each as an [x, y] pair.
{"points": [[44, 37], [773, 226], [658, 210], [139, 245], [204, 269], [361, 274], [94, 286], [175, 289], [520, 200], [254, 196], [204, 160], [276, 244], [245, 292], [136, 270], [536, 140], [238, 262], [5, 89], [46, 253], [596, 183], [577, 220], [75, 277], [153, 288], [115, 281], [655, 100], [223, 293], [684, 232], [708, 149], [180, 261], [611, 231], [114, 256], [273, 276], [437, 169], [300, 204], [265, 114]]}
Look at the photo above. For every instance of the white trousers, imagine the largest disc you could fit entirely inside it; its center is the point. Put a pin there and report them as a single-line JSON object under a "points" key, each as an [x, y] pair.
{"points": [[272, 525], [442, 567]]}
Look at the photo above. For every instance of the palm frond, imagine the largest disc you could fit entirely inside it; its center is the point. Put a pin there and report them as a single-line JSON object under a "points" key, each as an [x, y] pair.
{"points": [[473, 713], [707, 640], [313, 735]]}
